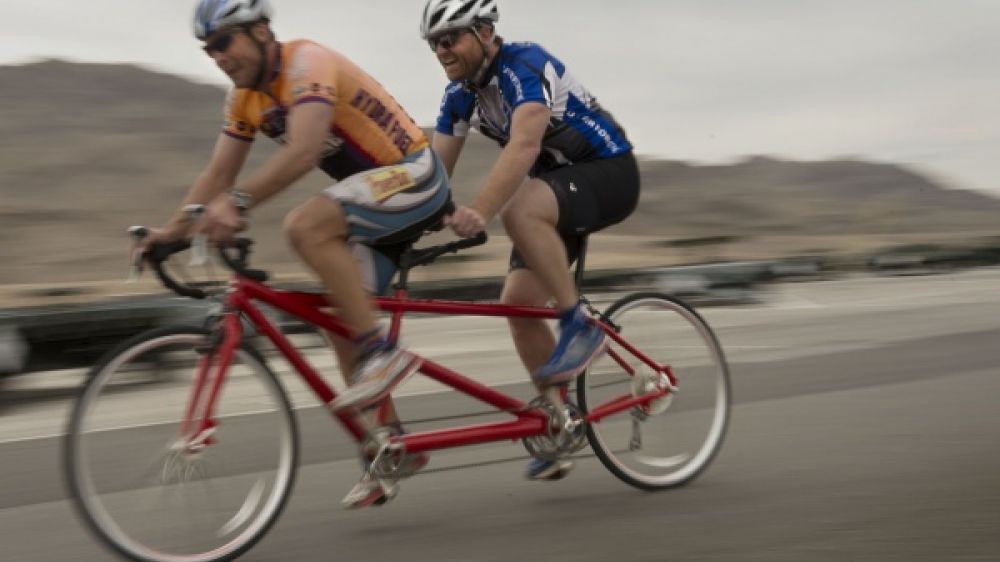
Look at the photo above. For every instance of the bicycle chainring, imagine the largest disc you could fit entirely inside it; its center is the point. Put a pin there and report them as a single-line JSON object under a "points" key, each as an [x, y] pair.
{"points": [[554, 443], [646, 380]]}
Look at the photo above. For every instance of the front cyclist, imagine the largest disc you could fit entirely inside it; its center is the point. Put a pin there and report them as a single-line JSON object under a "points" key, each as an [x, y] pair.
{"points": [[325, 112], [566, 170]]}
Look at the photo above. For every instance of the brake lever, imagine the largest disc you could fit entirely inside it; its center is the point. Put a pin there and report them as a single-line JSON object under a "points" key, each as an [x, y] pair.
{"points": [[138, 233], [199, 243]]}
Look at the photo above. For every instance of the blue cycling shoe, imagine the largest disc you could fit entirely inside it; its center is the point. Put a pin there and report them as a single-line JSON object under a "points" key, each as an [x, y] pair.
{"points": [[580, 342]]}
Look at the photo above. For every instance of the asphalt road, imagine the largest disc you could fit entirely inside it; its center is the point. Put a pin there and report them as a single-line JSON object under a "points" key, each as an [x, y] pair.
{"points": [[865, 427]]}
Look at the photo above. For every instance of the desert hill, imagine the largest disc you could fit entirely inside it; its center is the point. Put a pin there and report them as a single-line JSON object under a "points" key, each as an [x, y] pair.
{"points": [[90, 149]]}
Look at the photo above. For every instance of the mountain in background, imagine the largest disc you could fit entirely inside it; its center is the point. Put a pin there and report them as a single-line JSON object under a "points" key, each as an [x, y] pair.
{"points": [[93, 148]]}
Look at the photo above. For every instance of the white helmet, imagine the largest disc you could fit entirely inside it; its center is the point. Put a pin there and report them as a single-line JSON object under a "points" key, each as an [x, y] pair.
{"points": [[213, 15], [445, 15]]}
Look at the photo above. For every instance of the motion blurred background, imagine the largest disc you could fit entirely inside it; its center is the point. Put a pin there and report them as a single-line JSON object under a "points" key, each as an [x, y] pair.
{"points": [[770, 129], [852, 144]]}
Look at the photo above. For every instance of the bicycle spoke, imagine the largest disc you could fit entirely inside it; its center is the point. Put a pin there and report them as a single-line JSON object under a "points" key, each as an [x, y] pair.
{"points": [[197, 499], [250, 505], [671, 438]]}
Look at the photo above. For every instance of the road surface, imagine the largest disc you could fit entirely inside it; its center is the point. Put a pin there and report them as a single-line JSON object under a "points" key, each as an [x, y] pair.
{"points": [[866, 426]]}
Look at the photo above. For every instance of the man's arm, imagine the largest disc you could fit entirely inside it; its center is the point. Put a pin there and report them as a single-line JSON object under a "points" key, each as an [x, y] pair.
{"points": [[526, 132], [219, 175], [448, 148], [308, 129]]}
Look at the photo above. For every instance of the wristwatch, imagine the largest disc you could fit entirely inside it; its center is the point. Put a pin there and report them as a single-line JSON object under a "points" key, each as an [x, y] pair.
{"points": [[241, 200]]}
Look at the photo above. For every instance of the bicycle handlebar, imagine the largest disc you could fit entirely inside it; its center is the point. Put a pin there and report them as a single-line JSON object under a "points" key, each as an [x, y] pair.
{"points": [[239, 263], [159, 253]]}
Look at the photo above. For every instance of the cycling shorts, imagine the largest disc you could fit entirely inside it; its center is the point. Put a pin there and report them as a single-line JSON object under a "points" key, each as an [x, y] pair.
{"points": [[389, 206], [591, 196]]}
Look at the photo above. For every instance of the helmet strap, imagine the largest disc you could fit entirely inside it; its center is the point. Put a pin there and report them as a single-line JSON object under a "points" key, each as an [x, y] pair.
{"points": [[262, 69], [477, 78]]}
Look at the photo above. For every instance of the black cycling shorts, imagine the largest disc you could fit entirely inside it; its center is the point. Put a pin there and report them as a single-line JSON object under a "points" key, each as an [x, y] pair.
{"points": [[591, 196]]}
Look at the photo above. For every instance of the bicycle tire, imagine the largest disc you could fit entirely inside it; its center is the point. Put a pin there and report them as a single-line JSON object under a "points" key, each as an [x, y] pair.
{"points": [[100, 491], [689, 425]]}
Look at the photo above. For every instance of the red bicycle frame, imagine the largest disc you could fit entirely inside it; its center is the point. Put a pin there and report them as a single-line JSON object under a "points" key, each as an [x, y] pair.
{"points": [[529, 421]]}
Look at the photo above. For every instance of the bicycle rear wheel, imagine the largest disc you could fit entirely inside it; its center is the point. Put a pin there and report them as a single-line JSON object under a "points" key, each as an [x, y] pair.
{"points": [[142, 488], [671, 441]]}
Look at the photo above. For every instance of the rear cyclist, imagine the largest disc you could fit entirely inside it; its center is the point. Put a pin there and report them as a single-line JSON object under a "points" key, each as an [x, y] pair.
{"points": [[566, 170]]}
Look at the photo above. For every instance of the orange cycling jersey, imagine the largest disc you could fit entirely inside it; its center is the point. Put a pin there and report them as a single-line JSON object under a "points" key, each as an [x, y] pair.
{"points": [[368, 129]]}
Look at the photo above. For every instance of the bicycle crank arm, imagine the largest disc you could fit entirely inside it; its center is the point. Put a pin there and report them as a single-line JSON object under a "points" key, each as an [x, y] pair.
{"points": [[567, 424]]}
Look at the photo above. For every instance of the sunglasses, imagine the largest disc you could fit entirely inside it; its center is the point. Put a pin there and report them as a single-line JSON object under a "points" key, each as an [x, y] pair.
{"points": [[220, 44], [447, 39]]}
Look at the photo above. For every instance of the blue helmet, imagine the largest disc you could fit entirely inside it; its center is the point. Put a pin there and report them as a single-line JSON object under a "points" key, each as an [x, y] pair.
{"points": [[213, 15]]}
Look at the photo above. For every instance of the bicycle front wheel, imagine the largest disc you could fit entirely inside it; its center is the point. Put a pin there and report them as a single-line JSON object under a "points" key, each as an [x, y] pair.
{"points": [[670, 441], [135, 477]]}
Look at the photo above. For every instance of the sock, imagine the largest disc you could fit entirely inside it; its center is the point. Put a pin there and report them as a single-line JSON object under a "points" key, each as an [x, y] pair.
{"points": [[371, 342], [362, 339], [566, 316]]}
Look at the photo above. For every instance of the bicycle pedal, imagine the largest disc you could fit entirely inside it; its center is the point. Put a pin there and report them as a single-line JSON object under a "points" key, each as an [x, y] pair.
{"points": [[389, 492], [367, 493]]}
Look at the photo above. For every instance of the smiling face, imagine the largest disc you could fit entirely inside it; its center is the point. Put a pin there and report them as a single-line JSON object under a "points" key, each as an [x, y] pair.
{"points": [[236, 53], [460, 52]]}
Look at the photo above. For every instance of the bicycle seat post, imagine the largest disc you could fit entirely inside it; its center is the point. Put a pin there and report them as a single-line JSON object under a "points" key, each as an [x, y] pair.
{"points": [[581, 260]]}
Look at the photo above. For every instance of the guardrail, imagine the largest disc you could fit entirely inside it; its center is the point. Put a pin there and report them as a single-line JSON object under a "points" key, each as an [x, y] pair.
{"points": [[51, 337], [42, 338]]}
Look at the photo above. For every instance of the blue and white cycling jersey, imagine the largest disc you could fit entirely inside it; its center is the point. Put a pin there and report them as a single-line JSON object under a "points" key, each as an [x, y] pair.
{"points": [[579, 129]]}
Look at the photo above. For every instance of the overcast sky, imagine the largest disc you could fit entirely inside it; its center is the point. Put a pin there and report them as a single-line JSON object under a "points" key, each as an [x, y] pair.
{"points": [[906, 81]]}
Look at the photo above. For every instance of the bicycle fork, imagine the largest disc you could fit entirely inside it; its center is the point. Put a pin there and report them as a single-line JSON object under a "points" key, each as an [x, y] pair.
{"points": [[198, 427]]}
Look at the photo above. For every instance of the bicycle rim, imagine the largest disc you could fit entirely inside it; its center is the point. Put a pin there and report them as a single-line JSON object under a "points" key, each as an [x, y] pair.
{"points": [[151, 499], [672, 440]]}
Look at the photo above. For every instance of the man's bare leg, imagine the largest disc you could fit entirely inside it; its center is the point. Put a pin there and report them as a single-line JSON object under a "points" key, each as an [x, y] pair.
{"points": [[345, 353], [533, 338], [317, 231], [530, 219]]}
